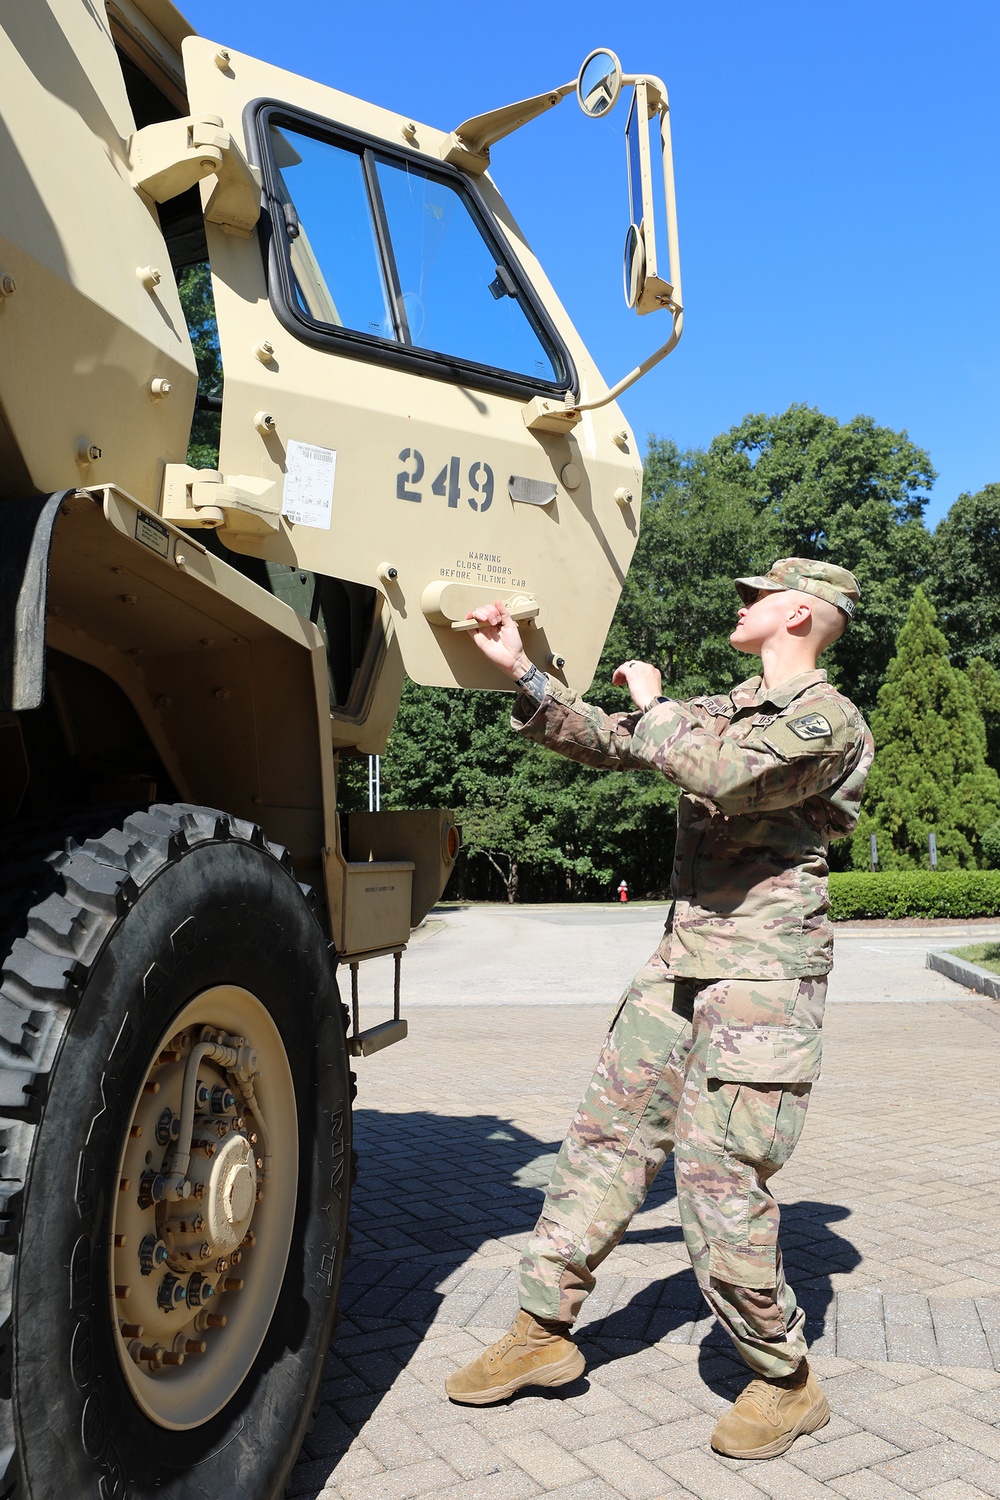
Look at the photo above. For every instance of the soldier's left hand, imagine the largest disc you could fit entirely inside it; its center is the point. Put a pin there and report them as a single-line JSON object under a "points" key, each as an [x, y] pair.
{"points": [[642, 679]]}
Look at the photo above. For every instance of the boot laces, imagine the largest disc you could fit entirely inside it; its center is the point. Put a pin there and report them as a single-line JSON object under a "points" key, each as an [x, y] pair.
{"points": [[495, 1351], [764, 1396]]}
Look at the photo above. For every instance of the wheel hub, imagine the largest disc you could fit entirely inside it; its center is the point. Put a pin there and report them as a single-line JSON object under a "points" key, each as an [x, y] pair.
{"points": [[188, 1329]]}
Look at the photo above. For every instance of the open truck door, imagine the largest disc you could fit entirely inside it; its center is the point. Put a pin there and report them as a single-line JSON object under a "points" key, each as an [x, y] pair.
{"points": [[397, 367]]}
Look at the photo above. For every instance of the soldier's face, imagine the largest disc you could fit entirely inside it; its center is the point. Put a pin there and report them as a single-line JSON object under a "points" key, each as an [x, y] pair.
{"points": [[760, 621]]}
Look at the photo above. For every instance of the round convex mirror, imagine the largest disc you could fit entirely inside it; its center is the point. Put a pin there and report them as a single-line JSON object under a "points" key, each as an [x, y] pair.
{"points": [[634, 267], [599, 82]]}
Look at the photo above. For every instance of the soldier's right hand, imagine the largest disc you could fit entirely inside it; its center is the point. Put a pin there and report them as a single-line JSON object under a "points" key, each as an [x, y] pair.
{"points": [[499, 639]]}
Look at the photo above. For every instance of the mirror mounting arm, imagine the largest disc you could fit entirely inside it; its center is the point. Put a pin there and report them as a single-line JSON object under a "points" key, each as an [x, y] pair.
{"points": [[468, 147], [542, 414]]}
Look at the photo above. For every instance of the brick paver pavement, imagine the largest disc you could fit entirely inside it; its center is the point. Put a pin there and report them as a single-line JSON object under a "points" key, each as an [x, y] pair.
{"points": [[892, 1241]]}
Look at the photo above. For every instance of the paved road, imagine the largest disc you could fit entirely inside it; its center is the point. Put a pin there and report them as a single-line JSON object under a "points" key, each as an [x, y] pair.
{"points": [[584, 955], [891, 1225]]}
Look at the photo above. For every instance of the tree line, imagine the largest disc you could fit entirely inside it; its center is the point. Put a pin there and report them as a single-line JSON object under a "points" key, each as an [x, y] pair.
{"points": [[920, 659]]}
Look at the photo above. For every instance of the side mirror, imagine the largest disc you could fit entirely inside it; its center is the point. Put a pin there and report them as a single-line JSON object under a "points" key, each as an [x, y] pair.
{"points": [[599, 83], [646, 289]]}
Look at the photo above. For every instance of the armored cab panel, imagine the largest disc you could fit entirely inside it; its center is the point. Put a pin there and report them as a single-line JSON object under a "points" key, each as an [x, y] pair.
{"points": [[97, 379]]}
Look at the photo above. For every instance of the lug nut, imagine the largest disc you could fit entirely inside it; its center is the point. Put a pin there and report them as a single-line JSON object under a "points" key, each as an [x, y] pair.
{"points": [[170, 1358], [168, 1128], [215, 1320], [199, 1290], [236, 1257], [131, 1330], [195, 1346], [231, 1284], [121, 1240], [152, 1253], [198, 1190], [150, 1087], [152, 1188], [171, 1293], [249, 1240], [123, 1292]]}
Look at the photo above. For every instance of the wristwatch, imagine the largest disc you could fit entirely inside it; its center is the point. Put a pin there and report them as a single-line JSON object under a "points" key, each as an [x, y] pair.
{"points": [[647, 706]]}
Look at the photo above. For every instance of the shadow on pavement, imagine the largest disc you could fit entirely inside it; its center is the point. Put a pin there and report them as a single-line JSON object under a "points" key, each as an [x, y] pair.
{"points": [[432, 1190]]}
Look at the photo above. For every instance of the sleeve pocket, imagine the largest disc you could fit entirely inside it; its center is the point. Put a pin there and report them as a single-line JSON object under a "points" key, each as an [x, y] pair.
{"points": [[765, 1054]]}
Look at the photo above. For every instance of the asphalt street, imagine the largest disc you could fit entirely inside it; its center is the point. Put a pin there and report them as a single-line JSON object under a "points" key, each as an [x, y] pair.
{"points": [[585, 955]]}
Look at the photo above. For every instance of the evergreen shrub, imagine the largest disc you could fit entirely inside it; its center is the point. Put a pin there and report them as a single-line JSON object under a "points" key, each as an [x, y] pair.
{"points": [[990, 844], [914, 893]]}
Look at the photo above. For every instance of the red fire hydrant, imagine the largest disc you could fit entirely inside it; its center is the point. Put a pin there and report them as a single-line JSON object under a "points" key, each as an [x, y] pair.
{"points": [[623, 891]]}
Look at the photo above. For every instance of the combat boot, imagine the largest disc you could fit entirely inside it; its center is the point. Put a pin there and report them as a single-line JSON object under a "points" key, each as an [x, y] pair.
{"points": [[530, 1353], [770, 1414]]}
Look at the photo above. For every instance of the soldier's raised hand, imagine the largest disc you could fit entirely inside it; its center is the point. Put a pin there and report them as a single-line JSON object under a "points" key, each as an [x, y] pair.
{"points": [[642, 679]]}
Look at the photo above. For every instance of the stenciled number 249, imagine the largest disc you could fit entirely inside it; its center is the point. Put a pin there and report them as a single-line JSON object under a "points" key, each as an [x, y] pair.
{"points": [[447, 483]]}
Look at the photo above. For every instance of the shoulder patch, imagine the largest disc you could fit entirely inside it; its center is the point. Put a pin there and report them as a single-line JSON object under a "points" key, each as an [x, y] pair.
{"points": [[818, 730], [811, 727]]}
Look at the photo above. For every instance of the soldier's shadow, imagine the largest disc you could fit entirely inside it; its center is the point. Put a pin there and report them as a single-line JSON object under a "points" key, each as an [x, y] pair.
{"points": [[432, 1191]]}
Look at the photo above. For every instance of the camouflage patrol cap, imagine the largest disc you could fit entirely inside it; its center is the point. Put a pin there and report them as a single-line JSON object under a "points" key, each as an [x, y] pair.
{"points": [[823, 579]]}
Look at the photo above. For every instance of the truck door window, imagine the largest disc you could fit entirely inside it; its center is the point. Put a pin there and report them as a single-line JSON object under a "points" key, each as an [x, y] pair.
{"points": [[380, 256], [455, 297], [332, 245]]}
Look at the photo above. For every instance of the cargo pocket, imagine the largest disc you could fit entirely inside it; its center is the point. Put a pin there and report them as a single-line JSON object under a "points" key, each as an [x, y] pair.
{"points": [[764, 1054], [773, 1068]]}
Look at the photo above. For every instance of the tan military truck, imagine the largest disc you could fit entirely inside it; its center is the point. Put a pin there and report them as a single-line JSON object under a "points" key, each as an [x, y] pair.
{"points": [[410, 426]]}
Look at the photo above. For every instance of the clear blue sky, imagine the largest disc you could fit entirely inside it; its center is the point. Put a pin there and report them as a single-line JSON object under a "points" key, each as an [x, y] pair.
{"points": [[837, 190]]}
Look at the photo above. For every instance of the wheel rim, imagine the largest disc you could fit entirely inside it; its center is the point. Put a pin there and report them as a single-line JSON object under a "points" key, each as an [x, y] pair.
{"points": [[194, 1283]]}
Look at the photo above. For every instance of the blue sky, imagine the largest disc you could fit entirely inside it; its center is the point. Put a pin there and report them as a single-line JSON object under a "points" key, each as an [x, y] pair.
{"points": [[837, 190]]}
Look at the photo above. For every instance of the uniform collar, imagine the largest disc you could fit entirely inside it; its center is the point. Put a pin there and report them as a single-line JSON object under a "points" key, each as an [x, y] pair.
{"points": [[753, 694]]}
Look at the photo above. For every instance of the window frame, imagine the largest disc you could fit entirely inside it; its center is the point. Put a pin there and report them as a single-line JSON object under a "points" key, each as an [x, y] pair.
{"points": [[258, 117]]}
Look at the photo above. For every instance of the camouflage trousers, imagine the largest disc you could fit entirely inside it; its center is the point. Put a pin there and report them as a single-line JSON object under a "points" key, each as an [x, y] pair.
{"points": [[720, 1072]]}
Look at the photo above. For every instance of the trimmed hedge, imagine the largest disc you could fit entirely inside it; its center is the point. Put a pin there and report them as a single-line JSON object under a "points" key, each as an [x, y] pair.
{"points": [[914, 893]]}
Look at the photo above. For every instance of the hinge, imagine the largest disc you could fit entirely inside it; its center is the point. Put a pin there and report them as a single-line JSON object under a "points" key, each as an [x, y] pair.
{"points": [[204, 497], [168, 158]]}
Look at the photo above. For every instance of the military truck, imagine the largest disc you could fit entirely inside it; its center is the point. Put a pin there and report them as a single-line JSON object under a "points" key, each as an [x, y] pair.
{"points": [[410, 426]]}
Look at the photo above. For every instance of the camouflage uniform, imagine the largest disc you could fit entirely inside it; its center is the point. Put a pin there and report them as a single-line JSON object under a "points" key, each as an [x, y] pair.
{"points": [[715, 1044]]}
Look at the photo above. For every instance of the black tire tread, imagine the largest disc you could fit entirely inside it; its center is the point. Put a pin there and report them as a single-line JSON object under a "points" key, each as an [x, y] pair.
{"points": [[64, 887]]}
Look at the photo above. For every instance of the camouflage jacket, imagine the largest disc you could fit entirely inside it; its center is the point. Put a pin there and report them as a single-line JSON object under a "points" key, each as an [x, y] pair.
{"points": [[767, 779]]}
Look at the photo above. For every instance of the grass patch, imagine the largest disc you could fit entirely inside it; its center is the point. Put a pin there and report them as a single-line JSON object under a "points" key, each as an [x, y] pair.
{"points": [[986, 955]]}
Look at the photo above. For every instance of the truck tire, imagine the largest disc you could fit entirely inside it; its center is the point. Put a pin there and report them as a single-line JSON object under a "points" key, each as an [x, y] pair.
{"points": [[153, 1346]]}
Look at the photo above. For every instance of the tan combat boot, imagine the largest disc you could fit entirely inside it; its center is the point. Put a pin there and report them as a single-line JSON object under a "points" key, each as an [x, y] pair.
{"points": [[530, 1353], [770, 1414]]}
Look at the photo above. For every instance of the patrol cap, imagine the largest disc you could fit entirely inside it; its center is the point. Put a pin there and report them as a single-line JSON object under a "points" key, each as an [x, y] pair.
{"points": [[809, 576]]}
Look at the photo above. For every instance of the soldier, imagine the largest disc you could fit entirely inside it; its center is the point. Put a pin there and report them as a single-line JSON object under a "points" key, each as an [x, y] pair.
{"points": [[715, 1044]]}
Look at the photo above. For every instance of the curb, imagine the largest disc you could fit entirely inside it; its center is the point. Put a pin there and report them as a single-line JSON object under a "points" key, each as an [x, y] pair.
{"points": [[959, 969]]}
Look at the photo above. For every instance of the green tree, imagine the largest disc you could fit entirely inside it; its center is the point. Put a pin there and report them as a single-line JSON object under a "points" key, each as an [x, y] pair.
{"points": [[966, 584], [852, 492], [930, 771], [985, 682], [195, 287]]}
